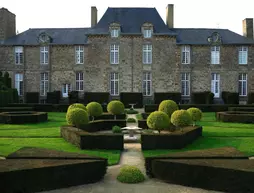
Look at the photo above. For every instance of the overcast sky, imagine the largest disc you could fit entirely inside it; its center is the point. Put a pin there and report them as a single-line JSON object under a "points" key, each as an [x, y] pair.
{"points": [[77, 13]]}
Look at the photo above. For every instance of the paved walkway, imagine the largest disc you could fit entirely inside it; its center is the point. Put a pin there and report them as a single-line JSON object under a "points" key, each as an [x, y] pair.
{"points": [[131, 155]]}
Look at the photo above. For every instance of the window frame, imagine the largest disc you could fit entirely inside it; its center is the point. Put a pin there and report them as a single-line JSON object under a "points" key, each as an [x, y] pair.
{"points": [[114, 33], [241, 83], [44, 83], [147, 33], [147, 78], [114, 54], [185, 83], [44, 51], [185, 51], [114, 79], [79, 81], [19, 55], [78, 51], [19, 83], [146, 50], [215, 55], [241, 53]]}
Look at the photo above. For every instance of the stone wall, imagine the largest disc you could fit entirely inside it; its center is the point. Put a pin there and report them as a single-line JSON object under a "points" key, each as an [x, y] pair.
{"points": [[7, 24]]}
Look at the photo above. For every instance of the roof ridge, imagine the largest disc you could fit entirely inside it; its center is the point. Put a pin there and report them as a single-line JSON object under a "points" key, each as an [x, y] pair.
{"points": [[131, 7]]}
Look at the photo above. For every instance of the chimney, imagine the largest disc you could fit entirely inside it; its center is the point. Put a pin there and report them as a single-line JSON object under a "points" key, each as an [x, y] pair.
{"points": [[248, 27], [170, 15], [7, 24], [93, 16]]}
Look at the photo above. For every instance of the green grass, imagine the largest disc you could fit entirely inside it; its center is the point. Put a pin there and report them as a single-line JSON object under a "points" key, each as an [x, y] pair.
{"points": [[46, 135], [218, 134]]}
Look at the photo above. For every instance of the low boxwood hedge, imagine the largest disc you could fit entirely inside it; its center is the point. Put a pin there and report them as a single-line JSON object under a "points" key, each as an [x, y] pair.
{"points": [[235, 116]]}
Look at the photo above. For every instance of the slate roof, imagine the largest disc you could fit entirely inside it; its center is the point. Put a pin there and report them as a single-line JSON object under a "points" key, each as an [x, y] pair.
{"points": [[198, 36], [60, 36], [131, 21]]}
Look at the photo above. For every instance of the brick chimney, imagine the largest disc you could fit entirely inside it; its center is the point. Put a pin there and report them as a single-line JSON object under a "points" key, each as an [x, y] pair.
{"points": [[93, 16], [248, 28], [7, 24], [170, 15]]}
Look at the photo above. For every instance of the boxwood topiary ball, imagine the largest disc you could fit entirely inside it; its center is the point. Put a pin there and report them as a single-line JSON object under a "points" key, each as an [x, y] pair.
{"points": [[77, 117], [77, 105], [115, 107], [94, 109], [181, 118], [168, 107], [130, 174], [158, 120], [195, 113]]}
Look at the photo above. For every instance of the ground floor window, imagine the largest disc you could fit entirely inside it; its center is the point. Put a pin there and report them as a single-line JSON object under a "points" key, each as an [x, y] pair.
{"points": [[66, 88], [215, 85], [147, 84], [19, 83], [114, 83]]}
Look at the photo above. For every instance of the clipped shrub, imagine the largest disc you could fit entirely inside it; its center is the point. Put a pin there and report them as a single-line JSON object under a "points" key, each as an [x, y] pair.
{"points": [[181, 118], [77, 117], [77, 105], [168, 107], [115, 107], [94, 109], [158, 120], [116, 129], [131, 111], [130, 175], [131, 120], [195, 113]]}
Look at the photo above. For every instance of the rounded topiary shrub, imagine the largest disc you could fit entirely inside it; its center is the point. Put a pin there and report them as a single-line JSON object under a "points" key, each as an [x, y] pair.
{"points": [[181, 118], [94, 109], [168, 107], [131, 120], [130, 175], [115, 107], [116, 129], [195, 113], [77, 117], [77, 105], [158, 120]]}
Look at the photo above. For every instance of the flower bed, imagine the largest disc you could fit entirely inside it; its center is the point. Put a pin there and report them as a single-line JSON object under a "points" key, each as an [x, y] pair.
{"points": [[235, 117]]}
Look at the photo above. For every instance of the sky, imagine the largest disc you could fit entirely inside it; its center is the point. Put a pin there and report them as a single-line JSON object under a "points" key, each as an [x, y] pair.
{"points": [[225, 14]]}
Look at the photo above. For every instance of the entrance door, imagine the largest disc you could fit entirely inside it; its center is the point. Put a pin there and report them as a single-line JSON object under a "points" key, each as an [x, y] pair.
{"points": [[66, 89]]}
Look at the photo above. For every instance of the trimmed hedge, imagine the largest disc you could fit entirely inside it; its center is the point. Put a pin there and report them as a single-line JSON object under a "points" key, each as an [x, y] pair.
{"points": [[235, 117], [132, 98], [174, 140], [202, 107], [99, 97], [226, 175], [8, 96], [73, 97], [245, 109], [108, 116], [250, 98], [160, 96], [32, 97], [102, 125], [143, 124], [230, 97], [22, 117], [53, 97], [202, 97], [36, 175], [85, 140], [11, 109]]}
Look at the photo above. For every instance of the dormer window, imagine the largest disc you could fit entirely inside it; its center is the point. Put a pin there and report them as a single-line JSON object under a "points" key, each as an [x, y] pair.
{"points": [[44, 38], [114, 33], [147, 33]]}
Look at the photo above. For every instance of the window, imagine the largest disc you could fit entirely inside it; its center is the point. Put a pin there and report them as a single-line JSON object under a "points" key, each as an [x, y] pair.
{"points": [[114, 83], [215, 55], [147, 54], [215, 85], [79, 54], [185, 84], [243, 55], [115, 33], [185, 54], [242, 84], [44, 55], [147, 84], [19, 84], [66, 89], [114, 54], [44, 87], [19, 55], [147, 33], [79, 81]]}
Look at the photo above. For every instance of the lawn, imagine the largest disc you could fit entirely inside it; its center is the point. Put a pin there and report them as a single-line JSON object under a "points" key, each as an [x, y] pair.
{"points": [[45, 135], [218, 134]]}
